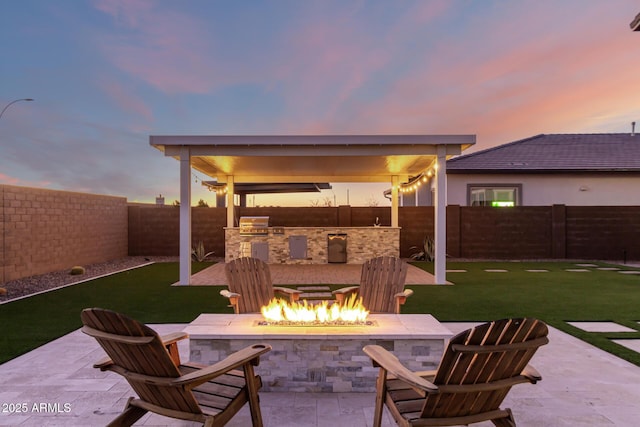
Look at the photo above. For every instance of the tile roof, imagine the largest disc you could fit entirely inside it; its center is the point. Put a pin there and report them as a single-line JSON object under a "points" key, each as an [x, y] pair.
{"points": [[635, 24], [598, 152]]}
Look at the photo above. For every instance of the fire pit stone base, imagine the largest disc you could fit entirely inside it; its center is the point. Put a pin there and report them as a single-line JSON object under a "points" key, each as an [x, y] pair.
{"points": [[319, 358]]}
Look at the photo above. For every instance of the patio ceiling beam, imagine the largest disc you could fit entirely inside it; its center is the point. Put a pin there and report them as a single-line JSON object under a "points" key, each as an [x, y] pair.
{"points": [[244, 179]]}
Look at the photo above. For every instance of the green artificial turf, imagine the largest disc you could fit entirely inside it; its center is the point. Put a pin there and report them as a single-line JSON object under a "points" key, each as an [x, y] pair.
{"points": [[556, 297], [143, 293], [146, 294]]}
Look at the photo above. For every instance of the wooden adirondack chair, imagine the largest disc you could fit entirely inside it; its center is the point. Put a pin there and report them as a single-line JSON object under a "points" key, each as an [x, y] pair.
{"points": [[381, 285], [151, 364], [477, 370], [250, 286]]}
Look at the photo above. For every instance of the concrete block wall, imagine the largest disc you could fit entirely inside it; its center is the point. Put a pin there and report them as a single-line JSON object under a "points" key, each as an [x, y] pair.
{"points": [[48, 230], [505, 233], [475, 232], [603, 232], [155, 230]]}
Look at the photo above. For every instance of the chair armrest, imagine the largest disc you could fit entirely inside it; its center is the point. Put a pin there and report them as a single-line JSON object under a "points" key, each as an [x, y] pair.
{"points": [[342, 293], [170, 341], [402, 296], [250, 354], [173, 338], [233, 299], [293, 294], [103, 364], [228, 294], [530, 373], [406, 292], [390, 363], [347, 290]]}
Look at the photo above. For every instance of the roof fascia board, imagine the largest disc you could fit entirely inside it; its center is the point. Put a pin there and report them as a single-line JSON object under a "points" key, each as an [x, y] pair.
{"points": [[301, 151], [297, 151], [302, 140], [635, 24]]}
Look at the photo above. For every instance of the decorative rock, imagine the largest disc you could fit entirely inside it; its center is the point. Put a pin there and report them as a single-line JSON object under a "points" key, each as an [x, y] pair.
{"points": [[77, 270]]}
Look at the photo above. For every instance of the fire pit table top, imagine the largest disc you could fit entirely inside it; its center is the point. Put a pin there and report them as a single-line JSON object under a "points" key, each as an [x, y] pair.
{"points": [[383, 326]]}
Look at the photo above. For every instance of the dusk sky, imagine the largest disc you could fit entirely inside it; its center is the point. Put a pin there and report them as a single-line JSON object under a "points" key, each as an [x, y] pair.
{"points": [[106, 74]]}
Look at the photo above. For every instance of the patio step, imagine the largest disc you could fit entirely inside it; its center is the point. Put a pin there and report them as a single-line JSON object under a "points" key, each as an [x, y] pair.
{"points": [[319, 292]]}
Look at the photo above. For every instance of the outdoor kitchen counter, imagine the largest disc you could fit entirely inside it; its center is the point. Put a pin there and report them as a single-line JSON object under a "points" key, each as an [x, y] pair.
{"points": [[319, 358], [281, 245]]}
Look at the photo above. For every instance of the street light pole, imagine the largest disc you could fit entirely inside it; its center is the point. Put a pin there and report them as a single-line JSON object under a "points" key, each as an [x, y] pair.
{"points": [[4, 226], [13, 102]]}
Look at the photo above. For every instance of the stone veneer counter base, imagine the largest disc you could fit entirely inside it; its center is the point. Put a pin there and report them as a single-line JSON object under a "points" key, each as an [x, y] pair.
{"points": [[363, 243], [320, 358]]}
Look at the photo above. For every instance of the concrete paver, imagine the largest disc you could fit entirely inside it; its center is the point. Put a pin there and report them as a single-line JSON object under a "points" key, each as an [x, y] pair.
{"points": [[601, 327]]}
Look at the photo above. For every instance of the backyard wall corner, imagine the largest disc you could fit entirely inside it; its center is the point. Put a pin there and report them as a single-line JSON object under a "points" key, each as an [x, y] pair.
{"points": [[48, 230]]}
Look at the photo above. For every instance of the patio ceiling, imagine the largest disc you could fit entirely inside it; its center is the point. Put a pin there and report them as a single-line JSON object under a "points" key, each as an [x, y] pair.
{"points": [[312, 158]]}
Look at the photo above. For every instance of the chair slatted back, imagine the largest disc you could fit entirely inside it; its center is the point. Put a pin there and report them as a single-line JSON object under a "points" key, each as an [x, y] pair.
{"points": [[251, 278], [485, 354], [381, 279], [138, 349]]}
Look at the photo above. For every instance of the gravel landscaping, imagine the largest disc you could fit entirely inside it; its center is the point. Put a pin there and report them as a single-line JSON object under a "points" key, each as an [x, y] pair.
{"points": [[43, 282]]}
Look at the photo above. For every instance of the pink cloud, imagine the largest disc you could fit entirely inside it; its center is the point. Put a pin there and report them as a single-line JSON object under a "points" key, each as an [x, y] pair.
{"points": [[329, 61], [167, 49], [127, 100], [505, 91], [12, 180]]}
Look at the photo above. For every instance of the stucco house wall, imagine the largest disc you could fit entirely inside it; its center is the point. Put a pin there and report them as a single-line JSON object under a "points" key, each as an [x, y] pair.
{"points": [[574, 189]]}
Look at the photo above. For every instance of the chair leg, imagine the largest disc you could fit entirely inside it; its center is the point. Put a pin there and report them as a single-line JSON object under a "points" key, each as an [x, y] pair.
{"points": [[252, 390], [129, 416], [381, 391], [508, 421]]}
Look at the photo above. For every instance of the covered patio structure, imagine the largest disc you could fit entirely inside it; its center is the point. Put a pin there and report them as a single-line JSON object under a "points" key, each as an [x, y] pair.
{"points": [[234, 159]]}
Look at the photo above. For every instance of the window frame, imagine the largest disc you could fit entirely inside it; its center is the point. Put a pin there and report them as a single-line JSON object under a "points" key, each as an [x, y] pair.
{"points": [[491, 186]]}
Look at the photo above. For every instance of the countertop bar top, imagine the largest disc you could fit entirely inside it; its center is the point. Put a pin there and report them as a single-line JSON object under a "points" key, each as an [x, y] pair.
{"points": [[385, 326]]}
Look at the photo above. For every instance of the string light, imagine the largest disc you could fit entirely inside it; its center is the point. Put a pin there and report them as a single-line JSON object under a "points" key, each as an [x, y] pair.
{"points": [[415, 182], [218, 188]]}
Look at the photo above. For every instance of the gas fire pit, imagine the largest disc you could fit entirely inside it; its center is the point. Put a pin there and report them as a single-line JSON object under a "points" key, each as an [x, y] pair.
{"points": [[320, 358]]}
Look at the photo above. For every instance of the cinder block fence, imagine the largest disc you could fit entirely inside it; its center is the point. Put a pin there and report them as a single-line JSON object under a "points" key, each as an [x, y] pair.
{"points": [[48, 230]]}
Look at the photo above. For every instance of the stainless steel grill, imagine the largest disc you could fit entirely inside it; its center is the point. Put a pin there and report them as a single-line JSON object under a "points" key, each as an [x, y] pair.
{"points": [[254, 225]]}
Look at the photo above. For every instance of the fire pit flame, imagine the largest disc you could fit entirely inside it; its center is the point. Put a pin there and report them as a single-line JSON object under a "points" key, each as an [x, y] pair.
{"points": [[279, 310]]}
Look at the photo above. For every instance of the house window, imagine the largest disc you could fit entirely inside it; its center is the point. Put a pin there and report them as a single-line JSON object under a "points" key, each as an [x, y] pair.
{"points": [[496, 195]]}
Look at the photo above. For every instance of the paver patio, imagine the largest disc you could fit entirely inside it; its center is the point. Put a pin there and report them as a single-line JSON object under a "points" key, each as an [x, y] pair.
{"points": [[298, 274], [581, 386]]}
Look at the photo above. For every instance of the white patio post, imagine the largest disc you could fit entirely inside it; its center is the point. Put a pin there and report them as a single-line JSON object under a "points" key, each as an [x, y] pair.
{"points": [[230, 202], [394, 201], [440, 217], [185, 215]]}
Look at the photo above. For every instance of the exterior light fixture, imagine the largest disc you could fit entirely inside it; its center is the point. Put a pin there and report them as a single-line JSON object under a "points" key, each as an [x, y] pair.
{"points": [[13, 102]]}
